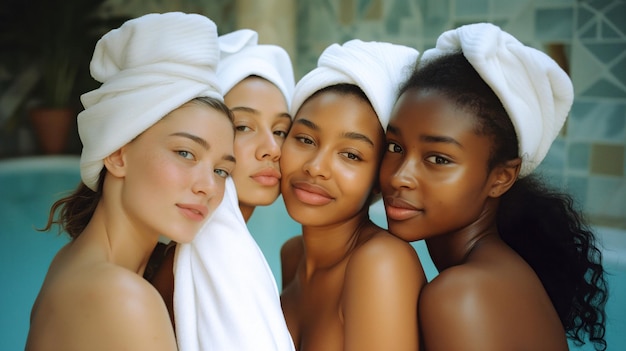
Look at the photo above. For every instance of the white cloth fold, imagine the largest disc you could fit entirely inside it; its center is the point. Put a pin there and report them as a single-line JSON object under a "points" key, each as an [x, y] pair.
{"points": [[225, 295], [242, 56], [149, 66], [377, 68], [535, 91]]}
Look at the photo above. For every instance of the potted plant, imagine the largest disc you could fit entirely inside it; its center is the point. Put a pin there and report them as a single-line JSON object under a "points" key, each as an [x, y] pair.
{"points": [[56, 38]]}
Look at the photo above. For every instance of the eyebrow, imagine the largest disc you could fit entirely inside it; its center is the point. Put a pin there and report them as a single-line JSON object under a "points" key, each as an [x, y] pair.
{"points": [[194, 138], [348, 135], [204, 144], [257, 112], [427, 138]]}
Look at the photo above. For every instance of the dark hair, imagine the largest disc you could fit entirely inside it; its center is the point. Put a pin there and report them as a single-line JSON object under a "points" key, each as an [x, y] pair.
{"points": [[541, 225], [354, 90], [76, 210]]}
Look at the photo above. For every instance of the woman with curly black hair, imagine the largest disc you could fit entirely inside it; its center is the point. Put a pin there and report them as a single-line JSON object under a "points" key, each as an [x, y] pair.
{"points": [[518, 266]]}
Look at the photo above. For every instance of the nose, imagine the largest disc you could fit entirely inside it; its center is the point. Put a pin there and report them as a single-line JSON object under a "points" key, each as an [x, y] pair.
{"points": [[268, 147], [317, 165], [404, 176], [205, 182]]}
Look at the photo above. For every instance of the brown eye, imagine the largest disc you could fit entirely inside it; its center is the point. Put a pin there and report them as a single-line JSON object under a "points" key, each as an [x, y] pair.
{"points": [[393, 147]]}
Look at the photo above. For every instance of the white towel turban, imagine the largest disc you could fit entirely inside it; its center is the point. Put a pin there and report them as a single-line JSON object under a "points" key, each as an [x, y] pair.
{"points": [[149, 66], [536, 93], [242, 57], [377, 68]]}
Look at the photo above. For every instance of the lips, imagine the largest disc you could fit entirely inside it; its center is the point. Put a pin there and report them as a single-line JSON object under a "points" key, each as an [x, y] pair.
{"points": [[267, 177], [193, 211], [311, 194], [399, 209]]}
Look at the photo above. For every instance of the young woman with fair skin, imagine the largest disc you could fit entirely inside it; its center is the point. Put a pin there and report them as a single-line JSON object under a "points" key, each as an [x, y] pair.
{"points": [[350, 285], [165, 174], [518, 269], [224, 296], [262, 121]]}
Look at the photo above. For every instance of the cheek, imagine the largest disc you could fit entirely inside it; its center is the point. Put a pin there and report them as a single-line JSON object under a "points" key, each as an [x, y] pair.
{"points": [[289, 157]]}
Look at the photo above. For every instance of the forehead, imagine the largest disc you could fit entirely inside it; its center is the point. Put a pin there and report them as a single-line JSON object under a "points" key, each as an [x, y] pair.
{"points": [[332, 110]]}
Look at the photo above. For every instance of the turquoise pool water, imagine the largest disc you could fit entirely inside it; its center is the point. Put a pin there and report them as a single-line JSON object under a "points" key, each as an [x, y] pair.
{"points": [[28, 186]]}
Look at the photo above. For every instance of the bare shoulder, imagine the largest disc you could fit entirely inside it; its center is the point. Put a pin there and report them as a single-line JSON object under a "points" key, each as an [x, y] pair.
{"points": [[385, 256], [487, 308], [384, 248], [105, 307]]}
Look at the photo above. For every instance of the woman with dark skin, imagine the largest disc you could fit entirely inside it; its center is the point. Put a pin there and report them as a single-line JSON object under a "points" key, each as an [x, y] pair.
{"points": [[350, 284], [518, 267]]}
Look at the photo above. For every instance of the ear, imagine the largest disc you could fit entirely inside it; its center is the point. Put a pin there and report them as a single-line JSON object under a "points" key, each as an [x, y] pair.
{"points": [[504, 176], [115, 163]]}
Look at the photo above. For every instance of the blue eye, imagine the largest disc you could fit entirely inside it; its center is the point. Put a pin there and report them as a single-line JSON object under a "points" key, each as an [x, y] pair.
{"points": [[185, 154], [222, 173]]}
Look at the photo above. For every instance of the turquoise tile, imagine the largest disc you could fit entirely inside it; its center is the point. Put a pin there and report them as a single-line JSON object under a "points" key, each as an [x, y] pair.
{"points": [[584, 17], [605, 52], [578, 156], [607, 32], [604, 89], [606, 196], [619, 68], [589, 32], [466, 8], [554, 24], [597, 121], [577, 186], [555, 159], [616, 16]]}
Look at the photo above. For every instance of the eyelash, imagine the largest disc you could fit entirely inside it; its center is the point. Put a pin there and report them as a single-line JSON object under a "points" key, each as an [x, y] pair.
{"points": [[185, 154], [225, 173], [393, 148], [436, 158]]}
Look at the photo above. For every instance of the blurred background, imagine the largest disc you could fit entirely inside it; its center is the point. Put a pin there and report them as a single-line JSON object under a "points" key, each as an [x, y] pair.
{"points": [[46, 46]]}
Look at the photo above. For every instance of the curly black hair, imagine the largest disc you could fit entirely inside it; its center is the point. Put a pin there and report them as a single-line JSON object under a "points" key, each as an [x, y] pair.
{"points": [[540, 224]]}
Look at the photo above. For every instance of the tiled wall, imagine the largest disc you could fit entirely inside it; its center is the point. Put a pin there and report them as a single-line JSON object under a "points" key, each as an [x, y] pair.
{"points": [[588, 159]]}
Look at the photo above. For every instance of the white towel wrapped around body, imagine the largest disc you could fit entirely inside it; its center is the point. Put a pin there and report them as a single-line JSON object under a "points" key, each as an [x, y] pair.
{"points": [[377, 68], [149, 66], [535, 91], [225, 295]]}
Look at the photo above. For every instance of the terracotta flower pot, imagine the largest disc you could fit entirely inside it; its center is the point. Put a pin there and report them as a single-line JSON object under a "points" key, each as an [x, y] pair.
{"points": [[52, 127]]}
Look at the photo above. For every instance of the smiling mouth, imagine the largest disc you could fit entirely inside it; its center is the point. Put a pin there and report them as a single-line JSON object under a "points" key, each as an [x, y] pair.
{"points": [[193, 212], [400, 210], [311, 194]]}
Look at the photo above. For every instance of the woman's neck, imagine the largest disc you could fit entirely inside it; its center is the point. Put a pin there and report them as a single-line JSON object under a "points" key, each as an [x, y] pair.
{"points": [[325, 246]]}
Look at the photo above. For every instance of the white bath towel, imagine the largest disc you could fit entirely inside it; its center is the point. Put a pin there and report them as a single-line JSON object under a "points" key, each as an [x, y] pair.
{"points": [[149, 66], [377, 68], [536, 93], [225, 296], [242, 56]]}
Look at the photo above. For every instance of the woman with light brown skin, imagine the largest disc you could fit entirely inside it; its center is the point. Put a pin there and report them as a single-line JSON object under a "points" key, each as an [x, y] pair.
{"points": [[518, 267], [157, 149], [350, 285]]}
